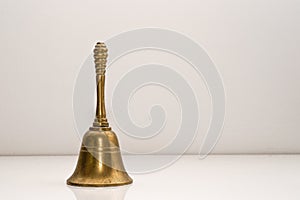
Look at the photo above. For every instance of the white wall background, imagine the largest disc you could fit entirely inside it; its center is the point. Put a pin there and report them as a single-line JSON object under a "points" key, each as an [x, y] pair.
{"points": [[255, 45]]}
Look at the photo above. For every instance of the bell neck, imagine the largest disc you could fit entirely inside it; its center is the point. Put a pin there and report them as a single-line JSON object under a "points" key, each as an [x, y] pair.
{"points": [[100, 118]]}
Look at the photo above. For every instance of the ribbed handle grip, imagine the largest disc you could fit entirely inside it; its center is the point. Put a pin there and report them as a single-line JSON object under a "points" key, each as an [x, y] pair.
{"points": [[100, 58]]}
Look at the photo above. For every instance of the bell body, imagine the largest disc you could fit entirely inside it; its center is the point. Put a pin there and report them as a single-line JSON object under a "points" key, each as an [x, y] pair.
{"points": [[100, 163]]}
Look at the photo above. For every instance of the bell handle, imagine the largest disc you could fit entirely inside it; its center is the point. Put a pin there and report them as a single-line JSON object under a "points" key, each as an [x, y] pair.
{"points": [[100, 59]]}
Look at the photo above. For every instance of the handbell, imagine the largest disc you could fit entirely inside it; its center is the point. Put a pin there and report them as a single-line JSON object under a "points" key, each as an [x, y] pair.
{"points": [[100, 163]]}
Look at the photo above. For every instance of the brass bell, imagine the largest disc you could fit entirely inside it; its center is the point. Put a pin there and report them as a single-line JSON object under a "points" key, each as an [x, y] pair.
{"points": [[100, 163]]}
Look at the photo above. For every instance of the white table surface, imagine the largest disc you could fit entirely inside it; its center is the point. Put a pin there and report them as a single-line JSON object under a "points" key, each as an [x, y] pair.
{"points": [[216, 177]]}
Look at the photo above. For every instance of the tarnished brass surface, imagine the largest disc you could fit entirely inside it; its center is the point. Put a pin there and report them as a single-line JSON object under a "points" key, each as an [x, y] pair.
{"points": [[100, 163]]}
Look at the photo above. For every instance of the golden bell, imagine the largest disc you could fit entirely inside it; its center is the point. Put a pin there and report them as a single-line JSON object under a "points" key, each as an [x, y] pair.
{"points": [[100, 163]]}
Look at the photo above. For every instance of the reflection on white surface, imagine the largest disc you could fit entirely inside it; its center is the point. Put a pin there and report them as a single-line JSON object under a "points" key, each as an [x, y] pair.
{"points": [[214, 178], [99, 193]]}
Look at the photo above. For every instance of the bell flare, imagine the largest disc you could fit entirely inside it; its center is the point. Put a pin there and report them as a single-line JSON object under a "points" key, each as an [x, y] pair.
{"points": [[100, 163]]}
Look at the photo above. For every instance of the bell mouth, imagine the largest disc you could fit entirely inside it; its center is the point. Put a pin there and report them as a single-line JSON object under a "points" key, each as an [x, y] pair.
{"points": [[84, 184]]}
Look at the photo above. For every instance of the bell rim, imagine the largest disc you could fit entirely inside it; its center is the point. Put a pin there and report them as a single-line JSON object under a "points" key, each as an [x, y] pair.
{"points": [[98, 184]]}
